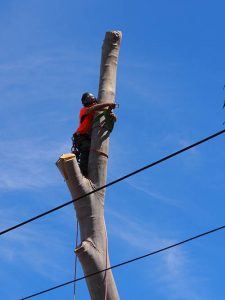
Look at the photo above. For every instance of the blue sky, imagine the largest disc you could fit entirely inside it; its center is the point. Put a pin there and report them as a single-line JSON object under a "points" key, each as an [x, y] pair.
{"points": [[170, 90]]}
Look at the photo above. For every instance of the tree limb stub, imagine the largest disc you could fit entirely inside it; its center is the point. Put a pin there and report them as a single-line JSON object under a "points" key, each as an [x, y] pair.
{"points": [[93, 250]]}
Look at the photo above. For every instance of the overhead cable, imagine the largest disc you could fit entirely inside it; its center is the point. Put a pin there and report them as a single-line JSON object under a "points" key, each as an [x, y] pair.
{"points": [[112, 182], [127, 262]]}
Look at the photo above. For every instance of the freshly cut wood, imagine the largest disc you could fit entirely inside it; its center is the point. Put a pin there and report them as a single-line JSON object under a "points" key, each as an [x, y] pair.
{"points": [[93, 250]]}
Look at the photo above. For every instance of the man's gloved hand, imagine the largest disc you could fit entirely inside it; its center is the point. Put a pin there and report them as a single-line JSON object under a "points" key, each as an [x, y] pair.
{"points": [[113, 116], [112, 106]]}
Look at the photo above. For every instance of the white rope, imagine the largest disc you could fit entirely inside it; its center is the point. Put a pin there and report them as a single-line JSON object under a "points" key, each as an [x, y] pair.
{"points": [[106, 262], [75, 264]]}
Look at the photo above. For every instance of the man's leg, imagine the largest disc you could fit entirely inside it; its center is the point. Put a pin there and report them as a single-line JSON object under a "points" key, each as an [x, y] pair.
{"points": [[83, 145]]}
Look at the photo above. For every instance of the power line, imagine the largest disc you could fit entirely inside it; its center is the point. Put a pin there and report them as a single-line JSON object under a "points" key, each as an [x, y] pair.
{"points": [[113, 182], [128, 261]]}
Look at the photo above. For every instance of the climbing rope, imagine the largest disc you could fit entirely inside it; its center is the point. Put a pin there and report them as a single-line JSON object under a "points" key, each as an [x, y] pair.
{"points": [[106, 262], [106, 250], [75, 263]]}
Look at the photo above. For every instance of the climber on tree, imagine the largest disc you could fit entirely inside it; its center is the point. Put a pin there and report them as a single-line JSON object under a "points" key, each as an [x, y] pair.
{"points": [[82, 136]]}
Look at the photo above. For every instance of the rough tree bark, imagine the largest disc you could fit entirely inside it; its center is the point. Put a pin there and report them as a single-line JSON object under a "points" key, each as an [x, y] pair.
{"points": [[93, 250]]}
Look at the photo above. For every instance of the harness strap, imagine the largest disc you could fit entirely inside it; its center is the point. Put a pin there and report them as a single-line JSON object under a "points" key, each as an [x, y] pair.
{"points": [[99, 152]]}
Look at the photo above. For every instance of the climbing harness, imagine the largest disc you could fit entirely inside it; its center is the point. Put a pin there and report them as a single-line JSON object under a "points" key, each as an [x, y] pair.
{"points": [[74, 148], [75, 263]]}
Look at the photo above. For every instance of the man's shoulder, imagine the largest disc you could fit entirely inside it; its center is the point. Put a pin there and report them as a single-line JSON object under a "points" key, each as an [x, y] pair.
{"points": [[89, 108], [83, 110]]}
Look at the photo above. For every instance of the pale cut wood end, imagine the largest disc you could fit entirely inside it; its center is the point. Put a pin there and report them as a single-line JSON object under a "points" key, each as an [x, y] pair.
{"points": [[67, 156]]}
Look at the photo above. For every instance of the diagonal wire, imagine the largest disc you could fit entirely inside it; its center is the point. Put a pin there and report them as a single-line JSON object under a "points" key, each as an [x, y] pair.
{"points": [[128, 261], [113, 182]]}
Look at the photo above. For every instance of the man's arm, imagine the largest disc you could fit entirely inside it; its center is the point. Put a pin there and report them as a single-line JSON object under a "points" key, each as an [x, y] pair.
{"points": [[99, 107]]}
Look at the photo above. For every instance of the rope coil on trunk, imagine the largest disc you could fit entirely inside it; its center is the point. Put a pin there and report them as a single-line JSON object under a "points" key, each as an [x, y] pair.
{"points": [[100, 152]]}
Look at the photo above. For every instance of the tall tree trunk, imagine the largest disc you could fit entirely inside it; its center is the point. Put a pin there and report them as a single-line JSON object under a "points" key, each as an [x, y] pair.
{"points": [[93, 250]]}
